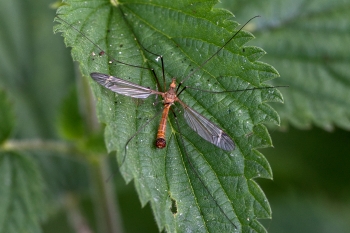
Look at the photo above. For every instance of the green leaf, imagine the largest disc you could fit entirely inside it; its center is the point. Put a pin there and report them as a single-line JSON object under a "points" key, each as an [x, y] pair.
{"points": [[191, 184], [21, 194], [307, 41], [6, 117], [72, 127], [70, 121]]}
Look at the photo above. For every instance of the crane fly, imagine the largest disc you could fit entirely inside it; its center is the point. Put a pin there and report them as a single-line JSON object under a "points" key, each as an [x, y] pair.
{"points": [[201, 125]]}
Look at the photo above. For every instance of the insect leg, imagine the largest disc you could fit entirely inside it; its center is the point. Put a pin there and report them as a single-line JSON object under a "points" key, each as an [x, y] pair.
{"points": [[134, 135], [162, 61]]}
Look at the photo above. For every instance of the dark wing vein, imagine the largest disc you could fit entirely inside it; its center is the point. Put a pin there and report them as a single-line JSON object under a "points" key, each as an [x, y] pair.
{"points": [[122, 87], [206, 129]]}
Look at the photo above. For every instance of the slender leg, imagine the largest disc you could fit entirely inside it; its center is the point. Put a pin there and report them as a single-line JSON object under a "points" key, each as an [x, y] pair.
{"points": [[134, 135], [162, 61]]}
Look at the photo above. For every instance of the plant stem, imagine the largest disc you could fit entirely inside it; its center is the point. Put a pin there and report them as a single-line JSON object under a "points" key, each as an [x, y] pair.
{"points": [[107, 217], [75, 217], [39, 144]]}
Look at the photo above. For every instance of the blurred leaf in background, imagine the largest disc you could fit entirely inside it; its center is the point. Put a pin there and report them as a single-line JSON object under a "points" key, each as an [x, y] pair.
{"points": [[307, 42], [44, 178]]}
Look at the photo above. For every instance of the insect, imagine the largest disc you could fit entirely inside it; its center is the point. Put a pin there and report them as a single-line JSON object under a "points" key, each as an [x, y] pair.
{"points": [[201, 125]]}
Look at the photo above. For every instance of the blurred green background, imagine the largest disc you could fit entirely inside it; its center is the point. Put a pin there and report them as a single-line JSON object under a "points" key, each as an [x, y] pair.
{"points": [[310, 159]]}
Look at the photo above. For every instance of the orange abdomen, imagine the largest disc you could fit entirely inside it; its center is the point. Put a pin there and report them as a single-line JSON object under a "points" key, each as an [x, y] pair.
{"points": [[160, 141]]}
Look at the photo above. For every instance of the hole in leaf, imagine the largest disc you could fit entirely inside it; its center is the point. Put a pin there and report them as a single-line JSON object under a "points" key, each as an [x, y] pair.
{"points": [[173, 208]]}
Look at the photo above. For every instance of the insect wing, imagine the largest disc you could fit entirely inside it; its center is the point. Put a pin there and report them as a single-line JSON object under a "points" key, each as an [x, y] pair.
{"points": [[121, 86], [207, 130]]}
